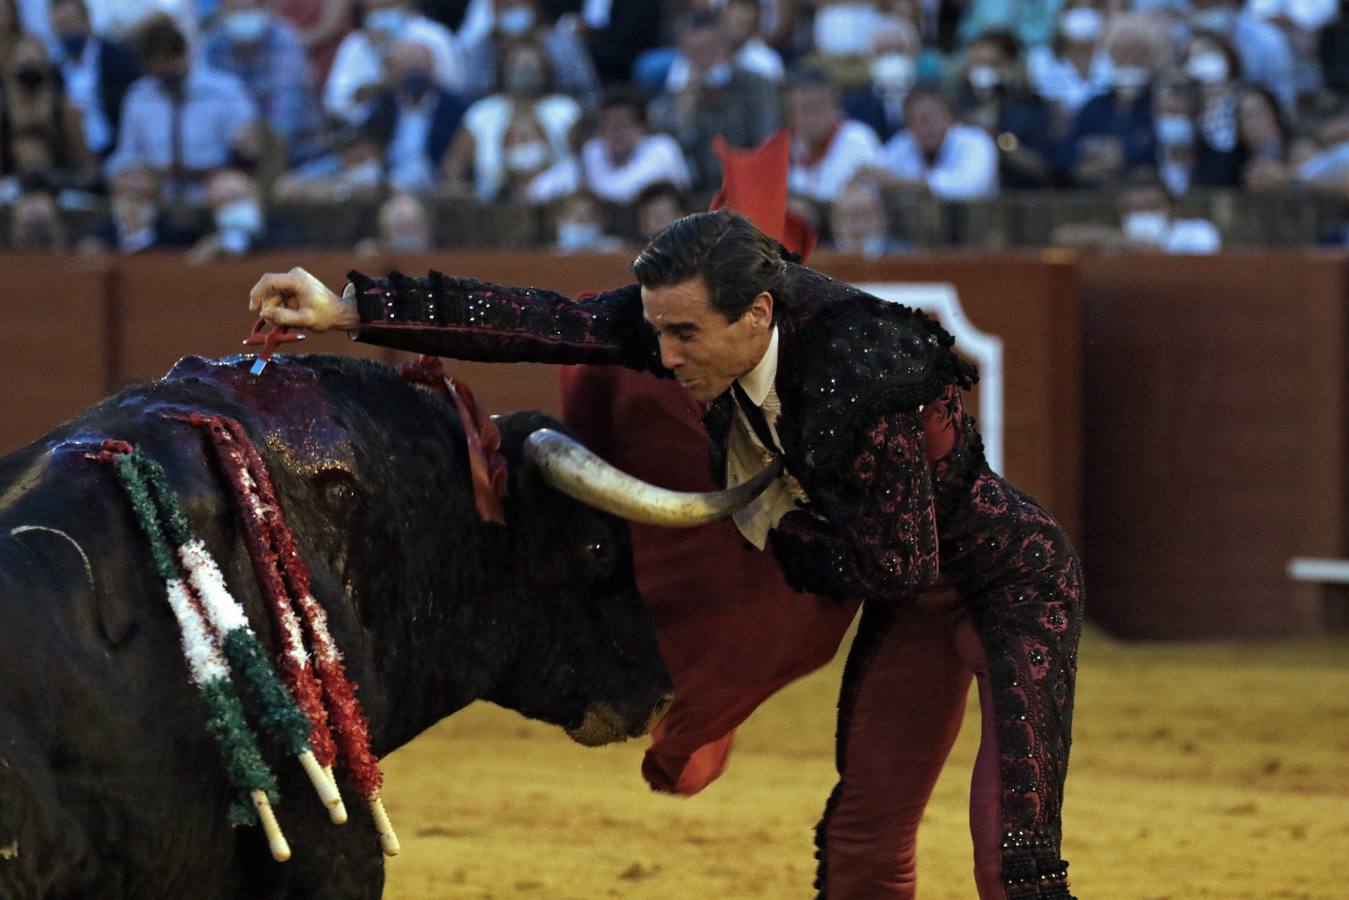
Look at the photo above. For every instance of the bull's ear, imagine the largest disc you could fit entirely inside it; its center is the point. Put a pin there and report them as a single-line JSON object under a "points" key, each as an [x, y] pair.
{"points": [[58, 553]]}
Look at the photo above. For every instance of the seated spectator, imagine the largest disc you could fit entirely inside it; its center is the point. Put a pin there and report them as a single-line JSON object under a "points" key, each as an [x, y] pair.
{"points": [[657, 206], [1032, 22], [624, 158], [1262, 141], [579, 226], [740, 23], [1301, 22], [1185, 158], [352, 169], [181, 119], [35, 222], [719, 98], [1147, 223], [892, 63], [414, 120], [97, 73], [1113, 132], [359, 72], [524, 20], [238, 222], [1263, 50], [404, 227], [1213, 65], [827, 148], [322, 25], [512, 137], [1326, 167], [994, 95], [859, 224], [264, 52], [137, 221], [936, 154], [1074, 68], [40, 130]]}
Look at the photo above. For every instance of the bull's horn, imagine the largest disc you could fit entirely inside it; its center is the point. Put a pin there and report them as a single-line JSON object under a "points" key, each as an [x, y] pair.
{"points": [[575, 471]]}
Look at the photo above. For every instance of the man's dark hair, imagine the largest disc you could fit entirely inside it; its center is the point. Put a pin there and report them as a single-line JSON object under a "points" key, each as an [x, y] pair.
{"points": [[735, 261], [660, 189], [812, 77], [926, 92], [158, 38], [624, 98], [1005, 40]]}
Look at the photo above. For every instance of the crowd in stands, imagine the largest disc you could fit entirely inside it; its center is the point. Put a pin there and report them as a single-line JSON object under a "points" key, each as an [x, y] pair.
{"points": [[196, 123]]}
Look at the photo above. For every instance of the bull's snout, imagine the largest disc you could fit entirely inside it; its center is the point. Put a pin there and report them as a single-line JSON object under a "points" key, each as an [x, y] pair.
{"points": [[603, 724]]}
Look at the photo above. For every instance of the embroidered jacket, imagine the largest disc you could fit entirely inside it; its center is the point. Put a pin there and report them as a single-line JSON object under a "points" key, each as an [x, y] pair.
{"points": [[872, 425]]}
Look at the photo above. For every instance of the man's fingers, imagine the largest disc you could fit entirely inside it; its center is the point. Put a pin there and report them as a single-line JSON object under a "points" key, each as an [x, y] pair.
{"points": [[275, 286], [289, 318]]}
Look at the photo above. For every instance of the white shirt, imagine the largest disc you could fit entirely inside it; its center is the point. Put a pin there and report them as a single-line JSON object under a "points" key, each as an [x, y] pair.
{"points": [[82, 87], [966, 167], [487, 120], [410, 168], [747, 456], [359, 63], [854, 145], [656, 158], [753, 56], [1057, 80]]}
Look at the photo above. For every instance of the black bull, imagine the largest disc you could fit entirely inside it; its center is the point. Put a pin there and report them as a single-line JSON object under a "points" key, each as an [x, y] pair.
{"points": [[109, 783]]}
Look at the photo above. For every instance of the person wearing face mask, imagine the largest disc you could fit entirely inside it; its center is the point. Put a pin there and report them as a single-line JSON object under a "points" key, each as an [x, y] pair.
{"points": [[512, 136], [136, 220], [414, 120], [40, 130], [859, 224], [579, 226], [404, 229], [892, 64], [181, 119], [1073, 69], [1266, 58], [265, 52], [1185, 158], [521, 20], [1213, 66], [1148, 224], [1113, 132], [35, 223], [97, 73], [935, 153], [994, 95], [359, 72], [718, 98], [239, 225]]}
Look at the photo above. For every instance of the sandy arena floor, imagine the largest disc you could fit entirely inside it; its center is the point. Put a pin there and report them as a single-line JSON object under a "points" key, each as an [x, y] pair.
{"points": [[1197, 771]]}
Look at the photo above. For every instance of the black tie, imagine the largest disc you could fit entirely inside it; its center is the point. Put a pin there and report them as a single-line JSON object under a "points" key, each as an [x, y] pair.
{"points": [[756, 418]]}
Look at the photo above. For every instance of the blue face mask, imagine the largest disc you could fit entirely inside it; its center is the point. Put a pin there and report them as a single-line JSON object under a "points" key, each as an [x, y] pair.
{"points": [[247, 26], [386, 21], [73, 46]]}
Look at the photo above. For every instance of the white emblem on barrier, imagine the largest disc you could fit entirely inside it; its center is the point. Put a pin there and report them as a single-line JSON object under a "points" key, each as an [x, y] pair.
{"points": [[985, 349]]}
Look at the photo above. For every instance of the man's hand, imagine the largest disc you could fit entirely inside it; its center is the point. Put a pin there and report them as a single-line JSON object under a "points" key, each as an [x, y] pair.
{"points": [[296, 299]]}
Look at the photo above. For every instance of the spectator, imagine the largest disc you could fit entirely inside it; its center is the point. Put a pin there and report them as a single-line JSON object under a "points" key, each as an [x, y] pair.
{"points": [[359, 73], [580, 228], [522, 20], [1185, 158], [1073, 69], [40, 131], [859, 224], [740, 23], [995, 96], [624, 158], [827, 148], [181, 119], [1263, 49], [658, 205], [351, 169], [1148, 223], [1262, 141], [414, 120], [35, 222], [97, 73], [1032, 22], [1113, 132], [1327, 167], [137, 221], [238, 222], [1301, 22], [1215, 68], [892, 64], [719, 98], [952, 161], [512, 137], [322, 25], [405, 226], [264, 52]]}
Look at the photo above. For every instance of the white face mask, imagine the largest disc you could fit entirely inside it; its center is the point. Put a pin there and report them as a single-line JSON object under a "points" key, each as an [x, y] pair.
{"points": [[388, 22], [1081, 24], [247, 26], [239, 215], [984, 78], [892, 72], [577, 235], [1175, 130], [844, 29], [1208, 67], [526, 157], [1130, 78], [1146, 226], [515, 21]]}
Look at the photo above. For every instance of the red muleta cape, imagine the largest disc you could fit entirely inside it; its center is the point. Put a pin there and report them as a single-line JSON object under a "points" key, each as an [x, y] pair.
{"points": [[731, 631]]}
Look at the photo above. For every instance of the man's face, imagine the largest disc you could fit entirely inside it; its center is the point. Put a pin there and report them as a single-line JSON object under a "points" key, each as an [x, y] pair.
{"points": [[704, 351], [704, 47], [620, 130], [929, 121], [812, 112], [68, 20]]}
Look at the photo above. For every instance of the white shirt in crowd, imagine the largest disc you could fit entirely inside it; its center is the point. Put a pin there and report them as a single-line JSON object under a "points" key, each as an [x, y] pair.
{"points": [[82, 87], [410, 167], [358, 63], [854, 145], [753, 56], [1176, 236], [1057, 80], [966, 167], [656, 158]]}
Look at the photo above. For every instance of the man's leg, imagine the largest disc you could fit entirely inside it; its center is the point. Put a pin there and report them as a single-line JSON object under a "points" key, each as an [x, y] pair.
{"points": [[903, 697]]}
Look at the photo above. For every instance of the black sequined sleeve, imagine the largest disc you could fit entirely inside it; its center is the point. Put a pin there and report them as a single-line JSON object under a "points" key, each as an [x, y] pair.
{"points": [[464, 318], [881, 543]]}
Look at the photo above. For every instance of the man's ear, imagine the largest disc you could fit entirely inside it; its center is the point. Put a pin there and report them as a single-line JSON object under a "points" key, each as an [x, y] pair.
{"points": [[761, 312]]}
